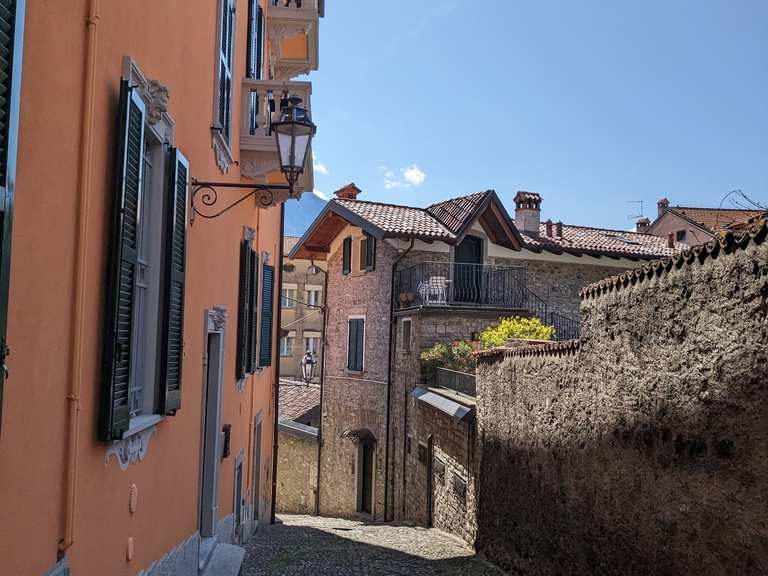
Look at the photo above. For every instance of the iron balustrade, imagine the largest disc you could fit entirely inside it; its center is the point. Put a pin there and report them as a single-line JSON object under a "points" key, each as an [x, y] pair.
{"points": [[459, 284], [565, 328]]}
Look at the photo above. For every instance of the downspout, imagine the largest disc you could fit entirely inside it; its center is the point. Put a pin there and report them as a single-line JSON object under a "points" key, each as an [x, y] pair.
{"points": [[80, 274], [322, 387], [389, 373], [275, 351]]}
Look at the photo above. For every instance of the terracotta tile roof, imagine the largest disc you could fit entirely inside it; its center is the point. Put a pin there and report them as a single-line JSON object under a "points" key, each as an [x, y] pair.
{"points": [[600, 241], [456, 213], [289, 242], [560, 348], [727, 242], [714, 219], [397, 220], [299, 402], [523, 196]]}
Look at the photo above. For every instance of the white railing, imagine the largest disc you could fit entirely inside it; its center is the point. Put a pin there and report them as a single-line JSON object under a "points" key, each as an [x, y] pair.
{"points": [[260, 107]]}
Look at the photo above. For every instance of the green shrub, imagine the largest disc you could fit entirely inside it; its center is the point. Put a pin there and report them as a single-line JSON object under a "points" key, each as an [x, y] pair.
{"points": [[516, 327], [455, 355]]}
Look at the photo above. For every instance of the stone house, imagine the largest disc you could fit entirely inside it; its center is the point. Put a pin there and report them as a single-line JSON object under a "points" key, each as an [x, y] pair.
{"points": [[400, 279], [693, 225], [302, 296], [299, 418]]}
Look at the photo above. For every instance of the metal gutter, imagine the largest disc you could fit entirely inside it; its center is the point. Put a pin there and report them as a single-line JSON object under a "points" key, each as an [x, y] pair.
{"points": [[276, 358]]}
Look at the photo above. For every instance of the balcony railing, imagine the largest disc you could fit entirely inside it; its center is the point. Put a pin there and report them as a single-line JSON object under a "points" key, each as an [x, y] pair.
{"points": [[458, 284], [565, 328], [287, 19]]}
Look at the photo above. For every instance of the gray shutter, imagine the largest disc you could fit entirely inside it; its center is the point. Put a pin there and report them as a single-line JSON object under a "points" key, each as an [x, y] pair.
{"points": [[351, 344], [243, 313], [267, 304], [11, 51], [355, 345], [253, 321], [172, 336], [346, 256], [119, 314], [360, 342]]}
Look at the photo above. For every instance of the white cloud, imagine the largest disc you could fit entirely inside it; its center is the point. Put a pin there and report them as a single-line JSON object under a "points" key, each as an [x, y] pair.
{"points": [[320, 168], [410, 176], [413, 175], [319, 194]]}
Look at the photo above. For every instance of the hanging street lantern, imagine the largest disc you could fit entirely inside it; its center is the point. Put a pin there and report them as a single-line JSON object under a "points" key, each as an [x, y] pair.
{"points": [[308, 366], [293, 134]]}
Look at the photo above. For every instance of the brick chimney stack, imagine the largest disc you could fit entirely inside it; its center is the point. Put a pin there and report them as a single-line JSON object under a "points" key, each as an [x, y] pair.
{"points": [[662, 205], [671, 240], [528, 212], [642, 225], [559, 229], [549, 227], [348, 192]]}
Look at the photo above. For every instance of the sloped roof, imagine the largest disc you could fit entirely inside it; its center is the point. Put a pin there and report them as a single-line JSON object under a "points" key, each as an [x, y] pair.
{"points": [[455, 214], [600, 242], [289, 242], [398, 220], [299, 402], [713, 219]]}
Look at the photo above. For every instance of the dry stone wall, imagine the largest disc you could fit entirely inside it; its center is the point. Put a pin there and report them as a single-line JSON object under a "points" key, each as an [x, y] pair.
{"points": [[645, 449]]}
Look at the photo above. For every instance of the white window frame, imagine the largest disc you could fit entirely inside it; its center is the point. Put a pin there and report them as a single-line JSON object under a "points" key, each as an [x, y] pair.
{"points": [[313, 295], [346, 358], [222, 145], [290, 341], [288, 297]]}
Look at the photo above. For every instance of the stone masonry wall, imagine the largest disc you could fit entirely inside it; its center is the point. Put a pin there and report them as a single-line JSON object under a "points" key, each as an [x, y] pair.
{"points": [[355, 401], [558, 284], [297, 474], [644, 450]]}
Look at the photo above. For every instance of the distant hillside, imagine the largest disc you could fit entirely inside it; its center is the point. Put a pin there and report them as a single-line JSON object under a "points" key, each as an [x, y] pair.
{"points": [[299, 214]]}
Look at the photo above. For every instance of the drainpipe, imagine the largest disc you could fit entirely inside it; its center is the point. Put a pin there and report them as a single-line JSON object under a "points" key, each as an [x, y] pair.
{"points": [[389, 374], [275, 349], [80, 274], [322, 387]]}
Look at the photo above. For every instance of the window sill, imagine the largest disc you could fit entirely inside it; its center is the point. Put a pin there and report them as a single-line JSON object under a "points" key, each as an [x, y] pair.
{"points": [[220, 146], [357, 373], [140, 423]]}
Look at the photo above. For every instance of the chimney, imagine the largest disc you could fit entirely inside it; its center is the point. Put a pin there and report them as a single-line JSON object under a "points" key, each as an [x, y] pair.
{"points": [[549, 227], [348, 192], [559, 229], [671, 240], [528, 212], [642, 225], [662, 205]]}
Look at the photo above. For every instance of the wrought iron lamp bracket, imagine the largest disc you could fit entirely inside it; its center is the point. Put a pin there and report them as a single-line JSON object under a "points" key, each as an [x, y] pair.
{"points": [[205, 194]]}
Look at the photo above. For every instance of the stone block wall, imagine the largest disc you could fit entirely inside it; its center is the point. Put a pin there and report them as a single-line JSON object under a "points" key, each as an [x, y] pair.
{"points": [[297, 474], [558, 283], [353, 401], [643, 450]]}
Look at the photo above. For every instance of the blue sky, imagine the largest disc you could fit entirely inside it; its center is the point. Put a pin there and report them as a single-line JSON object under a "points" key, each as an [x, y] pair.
{"points": [[591, 103]]}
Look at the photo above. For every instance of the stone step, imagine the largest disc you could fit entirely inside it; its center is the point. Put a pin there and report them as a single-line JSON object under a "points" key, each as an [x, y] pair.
{"points": [[225, 561], [207, 546]]}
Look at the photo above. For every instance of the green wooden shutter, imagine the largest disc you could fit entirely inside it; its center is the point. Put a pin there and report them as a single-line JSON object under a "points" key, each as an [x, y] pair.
{"points": [[346, 256], [119, 315], [253, 332], [11, 50], [172, 335], [243, 314], [267, 304], [370, 252], [355, 344]]}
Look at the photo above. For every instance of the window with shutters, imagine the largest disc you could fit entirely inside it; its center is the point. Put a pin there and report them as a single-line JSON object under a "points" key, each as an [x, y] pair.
{"points": [[313, 295], [247, 315], [287, 344], [355, 343], [144, 329], [406, 335], [11, 49], [362, 253], [222, 120], [255, 60], [312, 343], [288, 297]]}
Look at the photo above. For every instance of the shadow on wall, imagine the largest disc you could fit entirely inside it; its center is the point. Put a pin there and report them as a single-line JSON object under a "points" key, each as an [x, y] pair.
{"points": [[646, 450], [302, 550]]}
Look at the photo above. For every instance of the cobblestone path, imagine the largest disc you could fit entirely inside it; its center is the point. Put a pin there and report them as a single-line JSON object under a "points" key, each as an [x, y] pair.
{"points": [[311, 546]]}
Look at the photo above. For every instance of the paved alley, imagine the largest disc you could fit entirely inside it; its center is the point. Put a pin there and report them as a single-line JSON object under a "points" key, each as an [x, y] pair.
{"points": [[307, 545]]}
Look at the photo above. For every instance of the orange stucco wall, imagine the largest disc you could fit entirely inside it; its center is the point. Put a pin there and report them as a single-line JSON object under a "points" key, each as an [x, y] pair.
{"points": [[173, 41]]}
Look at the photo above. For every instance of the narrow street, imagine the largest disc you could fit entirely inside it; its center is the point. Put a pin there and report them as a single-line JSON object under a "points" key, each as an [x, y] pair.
{"points": [[307, 545]]}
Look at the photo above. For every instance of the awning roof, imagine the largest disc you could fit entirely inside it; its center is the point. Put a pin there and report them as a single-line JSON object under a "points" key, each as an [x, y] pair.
{"points": [[445, 405]]}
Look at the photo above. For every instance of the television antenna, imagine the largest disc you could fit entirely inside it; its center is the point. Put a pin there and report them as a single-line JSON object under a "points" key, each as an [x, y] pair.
{"points": [[640, 205]]}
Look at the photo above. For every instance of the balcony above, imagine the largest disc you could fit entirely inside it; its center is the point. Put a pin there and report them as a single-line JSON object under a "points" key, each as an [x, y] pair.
{"points": [[260, 107], [292, 30]]}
